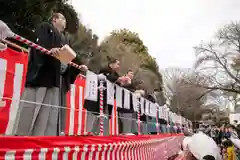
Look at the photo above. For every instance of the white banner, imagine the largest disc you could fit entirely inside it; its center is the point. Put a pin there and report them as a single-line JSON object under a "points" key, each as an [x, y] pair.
{"points": [[164, 114], [119, 96], [152, 109], [147, 104], [91, 90], [161, 112], [126, 99], [135, 101], [142, 100], [110, 93], [157, 110], [170, 115]]}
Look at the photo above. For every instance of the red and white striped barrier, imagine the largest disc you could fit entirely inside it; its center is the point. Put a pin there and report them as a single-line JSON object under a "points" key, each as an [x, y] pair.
{"points": [[76, 114], [90, 148], [13, 69]]}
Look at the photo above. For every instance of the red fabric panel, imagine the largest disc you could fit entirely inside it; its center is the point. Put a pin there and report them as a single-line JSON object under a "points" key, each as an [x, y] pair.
{"points": [[13, 61]]}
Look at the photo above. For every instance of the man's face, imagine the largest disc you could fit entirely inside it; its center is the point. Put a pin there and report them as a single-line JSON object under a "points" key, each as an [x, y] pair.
{"points": [[130, 74], [115, 66], [60, 22]]}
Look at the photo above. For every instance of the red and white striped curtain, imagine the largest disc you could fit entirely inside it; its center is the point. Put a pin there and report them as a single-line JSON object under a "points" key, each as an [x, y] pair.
{"points": [[13, 68], [113, 121], [75, 112]]}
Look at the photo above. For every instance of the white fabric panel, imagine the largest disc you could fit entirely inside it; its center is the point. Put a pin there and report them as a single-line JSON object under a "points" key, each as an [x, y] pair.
{"points": [[110, 93], [119, 96], [142, 100], [126, 99], [91, 89]]}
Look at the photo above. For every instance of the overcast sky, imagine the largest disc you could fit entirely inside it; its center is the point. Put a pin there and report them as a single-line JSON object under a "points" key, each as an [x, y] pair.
{"points": [[169, 28]]}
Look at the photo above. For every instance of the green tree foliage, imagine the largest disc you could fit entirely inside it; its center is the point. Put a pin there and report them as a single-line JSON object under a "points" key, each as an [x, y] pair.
{"points": [[132, 40], [24, 15], [85, 43]]}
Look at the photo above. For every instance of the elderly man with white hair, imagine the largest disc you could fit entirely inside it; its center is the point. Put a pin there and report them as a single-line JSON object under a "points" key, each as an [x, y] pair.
{"points": [[199, 146]]}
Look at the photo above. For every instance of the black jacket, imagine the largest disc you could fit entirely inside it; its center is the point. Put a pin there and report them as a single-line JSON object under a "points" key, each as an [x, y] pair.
{"points": [[92, 106], [111, 75], [44, 70]]}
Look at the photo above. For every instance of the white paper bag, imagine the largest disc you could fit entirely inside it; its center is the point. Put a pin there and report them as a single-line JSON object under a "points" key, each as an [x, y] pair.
{"points": [[66, 54]]}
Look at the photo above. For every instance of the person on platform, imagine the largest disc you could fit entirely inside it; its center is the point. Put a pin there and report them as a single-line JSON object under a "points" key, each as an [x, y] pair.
{"points": [[127, 117], [46, 84], [111, 73], [128, 83]]}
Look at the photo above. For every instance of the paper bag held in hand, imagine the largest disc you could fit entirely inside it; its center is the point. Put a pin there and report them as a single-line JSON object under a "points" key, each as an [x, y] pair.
{"points": [[66, 54]]}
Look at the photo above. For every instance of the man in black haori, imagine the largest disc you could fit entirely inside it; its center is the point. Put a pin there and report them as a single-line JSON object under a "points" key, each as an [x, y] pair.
{"points": [[47, 83]]}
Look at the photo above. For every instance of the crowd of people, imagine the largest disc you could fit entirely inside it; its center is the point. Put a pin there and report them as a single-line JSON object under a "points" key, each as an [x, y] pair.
{"points": [[222, 136], [210, 143]]}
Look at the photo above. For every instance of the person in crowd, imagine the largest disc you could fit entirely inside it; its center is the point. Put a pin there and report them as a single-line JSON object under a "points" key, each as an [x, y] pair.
{"points": [[199, 146], [227, 133], [235, 140], [233, 131], [220, 135], [217, 130], [46, 79], [228, 150], [128, 83], [213, 133], [111, 71], [208, 130]]}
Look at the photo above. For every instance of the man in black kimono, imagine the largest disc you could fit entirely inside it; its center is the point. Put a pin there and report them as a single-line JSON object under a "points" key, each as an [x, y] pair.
{"points": [[111, 73], [47, 82]]}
